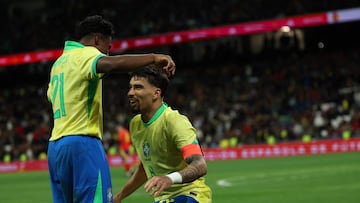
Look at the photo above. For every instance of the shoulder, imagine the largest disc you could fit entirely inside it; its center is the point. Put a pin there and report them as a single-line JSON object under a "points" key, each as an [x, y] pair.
{"points": [[171, 113], [174, 116], [135, 120], [90, 51]]}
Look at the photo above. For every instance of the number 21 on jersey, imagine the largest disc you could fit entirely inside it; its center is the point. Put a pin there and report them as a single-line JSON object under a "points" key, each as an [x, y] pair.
{"points": [[57, 81]]}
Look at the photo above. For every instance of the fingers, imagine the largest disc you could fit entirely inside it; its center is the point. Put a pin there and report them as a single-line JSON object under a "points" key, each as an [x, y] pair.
{"points": [[167, 63], [151, 186], [155, 191], [156, 185], [170, 70], [170, 67]]}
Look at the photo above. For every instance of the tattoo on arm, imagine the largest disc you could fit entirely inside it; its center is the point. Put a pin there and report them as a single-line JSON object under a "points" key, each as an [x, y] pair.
{"points": [[196, 168]]}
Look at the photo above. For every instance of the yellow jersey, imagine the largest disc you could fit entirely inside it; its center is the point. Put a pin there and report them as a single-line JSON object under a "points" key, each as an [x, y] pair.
{"points": [[75, 92], [159, 145]]}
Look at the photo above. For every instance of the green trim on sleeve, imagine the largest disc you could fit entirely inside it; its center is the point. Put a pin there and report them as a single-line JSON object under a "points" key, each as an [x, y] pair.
{"points": [[93, 66]]}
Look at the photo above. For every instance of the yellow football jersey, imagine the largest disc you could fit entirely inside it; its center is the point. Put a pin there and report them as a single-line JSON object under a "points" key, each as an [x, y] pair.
{"points": [[158, 144], [75, 92]]}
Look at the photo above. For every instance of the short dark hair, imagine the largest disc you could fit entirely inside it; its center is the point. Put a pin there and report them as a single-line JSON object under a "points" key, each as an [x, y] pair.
{"points": [[94, 24], [154, 75]]}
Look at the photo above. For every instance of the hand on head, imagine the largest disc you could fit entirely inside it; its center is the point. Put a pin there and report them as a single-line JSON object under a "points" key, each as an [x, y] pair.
{"points": [[166, 62]]}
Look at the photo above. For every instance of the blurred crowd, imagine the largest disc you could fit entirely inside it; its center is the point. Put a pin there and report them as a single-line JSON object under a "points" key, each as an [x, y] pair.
{"points": [[42, 24], [284, 97], [232, 97]]}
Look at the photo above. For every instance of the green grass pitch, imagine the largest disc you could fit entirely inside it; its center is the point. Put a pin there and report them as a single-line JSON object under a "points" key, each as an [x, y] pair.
{"points": [[332, 178]]}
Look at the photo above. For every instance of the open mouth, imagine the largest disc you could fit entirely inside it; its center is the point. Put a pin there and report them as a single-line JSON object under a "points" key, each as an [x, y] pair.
{"points": [[132, 101]]}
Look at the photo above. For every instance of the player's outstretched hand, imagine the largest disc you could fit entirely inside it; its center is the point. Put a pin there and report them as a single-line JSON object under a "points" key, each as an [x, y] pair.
{"points": [[166, 62], [157, 184]]}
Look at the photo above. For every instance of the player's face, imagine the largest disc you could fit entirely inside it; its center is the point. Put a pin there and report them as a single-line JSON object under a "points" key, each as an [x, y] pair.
{"points": [[141, 95]]}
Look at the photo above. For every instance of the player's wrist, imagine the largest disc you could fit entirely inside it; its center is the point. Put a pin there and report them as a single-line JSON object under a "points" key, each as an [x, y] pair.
{"points": [[175, 177]]}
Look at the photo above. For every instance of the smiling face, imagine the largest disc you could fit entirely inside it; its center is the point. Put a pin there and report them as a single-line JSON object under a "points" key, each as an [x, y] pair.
{"points": [[143, 97]]}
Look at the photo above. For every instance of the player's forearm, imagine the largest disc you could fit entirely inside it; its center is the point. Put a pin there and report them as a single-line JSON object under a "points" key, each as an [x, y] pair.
{"points": [[123, 63], [197, 168], [138, 179], [127, 190]]}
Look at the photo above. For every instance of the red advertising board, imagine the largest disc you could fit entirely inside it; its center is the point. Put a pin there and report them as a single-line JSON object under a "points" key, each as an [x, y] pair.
{"points": [[308, 20], [284, 149], [236, 153]]}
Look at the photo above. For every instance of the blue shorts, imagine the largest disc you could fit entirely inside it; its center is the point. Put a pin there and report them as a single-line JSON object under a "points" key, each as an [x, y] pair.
{"points": [[79, 170], [178, 199]]}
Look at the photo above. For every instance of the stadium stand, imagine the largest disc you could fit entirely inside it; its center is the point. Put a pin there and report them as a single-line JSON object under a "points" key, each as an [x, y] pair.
{"points": [[45, 24], [226, 89]]}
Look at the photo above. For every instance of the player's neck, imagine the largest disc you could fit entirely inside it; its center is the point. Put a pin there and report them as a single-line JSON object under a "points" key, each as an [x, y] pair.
{"points": [[146, 116]]}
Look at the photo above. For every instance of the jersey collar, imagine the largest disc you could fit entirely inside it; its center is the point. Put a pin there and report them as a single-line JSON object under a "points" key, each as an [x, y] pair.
{"points": [[156, 115], [69, 45]]}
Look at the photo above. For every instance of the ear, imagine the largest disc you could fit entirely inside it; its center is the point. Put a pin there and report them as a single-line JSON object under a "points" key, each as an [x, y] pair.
{"points": [[97, 39], [157, 93]]}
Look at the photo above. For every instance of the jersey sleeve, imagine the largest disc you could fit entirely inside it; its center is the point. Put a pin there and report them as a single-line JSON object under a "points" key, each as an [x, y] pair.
{"points": [[184, 135], [89, 60]]}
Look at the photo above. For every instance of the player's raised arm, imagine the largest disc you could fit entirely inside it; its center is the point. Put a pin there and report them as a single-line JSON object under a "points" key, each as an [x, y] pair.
{"points": [[129, 62]]}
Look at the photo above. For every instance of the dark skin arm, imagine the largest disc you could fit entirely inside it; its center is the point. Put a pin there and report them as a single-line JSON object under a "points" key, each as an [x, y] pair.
{"points": [[130, 62], [195, 169], [125, 62]]}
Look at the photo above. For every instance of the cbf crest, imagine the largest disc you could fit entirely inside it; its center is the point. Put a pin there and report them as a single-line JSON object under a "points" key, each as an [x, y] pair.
{"points": [[146, 150]]}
